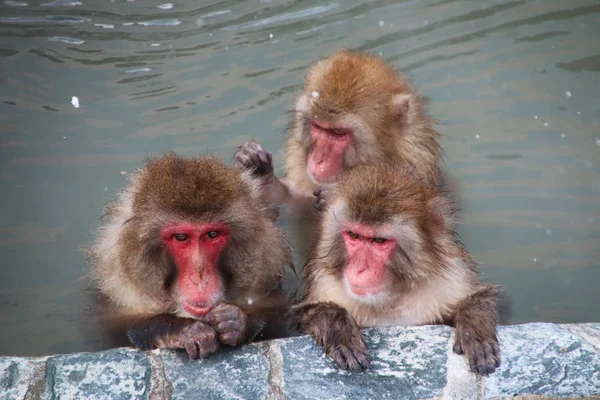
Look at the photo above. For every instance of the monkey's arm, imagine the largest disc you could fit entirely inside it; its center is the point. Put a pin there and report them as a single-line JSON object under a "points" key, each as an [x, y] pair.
{"points": [[334, 329], [169, 331], [252, 157], [475, 320]]}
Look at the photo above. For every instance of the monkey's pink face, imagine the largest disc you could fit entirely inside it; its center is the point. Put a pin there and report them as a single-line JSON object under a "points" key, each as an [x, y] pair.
{"points": [[326, 156], [368, 253], [196, 249]]}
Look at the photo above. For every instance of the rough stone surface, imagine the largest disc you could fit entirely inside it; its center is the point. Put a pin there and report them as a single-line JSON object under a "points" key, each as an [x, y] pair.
{"points": [[540, 362], [115, 374], [461, 383], [17, 375], [228, 374], [405, 364], [546, 360], [588, 332]]}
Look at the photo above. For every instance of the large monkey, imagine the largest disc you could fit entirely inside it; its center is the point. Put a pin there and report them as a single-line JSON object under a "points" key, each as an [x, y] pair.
{"points": [[354, 108], [188, 258], [386, 254]]}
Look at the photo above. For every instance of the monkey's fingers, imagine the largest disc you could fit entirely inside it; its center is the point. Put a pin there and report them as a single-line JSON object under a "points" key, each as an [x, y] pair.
{"points": [[229, 321], [207, 346], [321, 202], [251, 156], [349, 359], [483, 356], [200, 340], [231, 333], [225, 312]]}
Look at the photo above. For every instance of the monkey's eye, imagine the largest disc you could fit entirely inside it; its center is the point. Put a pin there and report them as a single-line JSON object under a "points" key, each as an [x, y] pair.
{"points": [[212, 234], [338, 132], [352, 235], [380, 240], [180, 237]]}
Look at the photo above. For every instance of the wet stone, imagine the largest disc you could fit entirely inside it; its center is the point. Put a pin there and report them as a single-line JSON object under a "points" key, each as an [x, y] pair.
{"points": [[15, 376], [115, 374], [405, 364], [229, 374], [545, 360]]}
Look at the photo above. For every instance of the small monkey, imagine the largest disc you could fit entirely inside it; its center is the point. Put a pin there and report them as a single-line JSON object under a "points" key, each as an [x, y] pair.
{"points": [[386, 254], [354, 108], [188, 258]]}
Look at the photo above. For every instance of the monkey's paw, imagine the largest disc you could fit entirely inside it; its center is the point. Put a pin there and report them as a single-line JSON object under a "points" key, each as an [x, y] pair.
{"points": [[230, 322], [198, 339], [251, 156], [352, 356], [483, 354], [345, 344], [322, 193]]}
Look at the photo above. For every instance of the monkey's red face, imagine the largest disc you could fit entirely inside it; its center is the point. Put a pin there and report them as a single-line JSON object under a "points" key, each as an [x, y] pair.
{"points": [[196, 249], [326, 156], [368, 253]]}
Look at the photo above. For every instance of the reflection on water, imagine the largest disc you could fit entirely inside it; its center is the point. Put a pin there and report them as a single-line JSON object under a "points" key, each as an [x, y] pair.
{"points": [[513, 82]]}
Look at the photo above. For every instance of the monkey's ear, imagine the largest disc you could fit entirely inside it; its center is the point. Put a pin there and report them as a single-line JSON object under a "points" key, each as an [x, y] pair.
{"points": [[442, 212], [403, 106]]}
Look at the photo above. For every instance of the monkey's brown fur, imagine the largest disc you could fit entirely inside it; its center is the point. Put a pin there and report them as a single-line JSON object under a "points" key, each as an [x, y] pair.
{"points": [[360, 92], [432, 279], [135, 272], [387, 114]]}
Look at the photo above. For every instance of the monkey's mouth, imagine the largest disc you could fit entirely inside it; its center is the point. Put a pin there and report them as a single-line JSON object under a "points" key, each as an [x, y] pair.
{"points": [[366, 291], [197, 309]]}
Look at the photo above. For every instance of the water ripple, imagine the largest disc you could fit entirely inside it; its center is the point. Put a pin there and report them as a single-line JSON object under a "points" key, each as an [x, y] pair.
{"points": [[61, 3], [161, 22], [15, 3], [293, 16], [66, 39], [46, 20]]}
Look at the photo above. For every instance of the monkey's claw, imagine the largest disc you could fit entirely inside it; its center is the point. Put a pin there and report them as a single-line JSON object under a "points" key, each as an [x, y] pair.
{"points": [[251, 156], [229, 322], [483, 355], [199, 340], [355, 359]]}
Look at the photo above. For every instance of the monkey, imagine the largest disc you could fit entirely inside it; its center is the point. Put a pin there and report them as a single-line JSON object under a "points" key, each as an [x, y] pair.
{"points": [[187, 257], [386, 254], [353, 108]]}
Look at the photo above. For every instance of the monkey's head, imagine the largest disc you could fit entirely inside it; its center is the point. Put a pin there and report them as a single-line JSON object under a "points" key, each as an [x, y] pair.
{"points": [[190, 217], [352, 106], [387, 228]]}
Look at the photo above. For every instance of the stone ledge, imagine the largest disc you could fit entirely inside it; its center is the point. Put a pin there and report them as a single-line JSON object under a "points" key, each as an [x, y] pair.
{"points": [[540, 361]]}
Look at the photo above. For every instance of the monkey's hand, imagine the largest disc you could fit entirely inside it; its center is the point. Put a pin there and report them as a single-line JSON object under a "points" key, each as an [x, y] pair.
{"points": [[481, 348], [322, 194], [198, 339], [167, 331], [335, 329], [251, 156], [229, 322]]}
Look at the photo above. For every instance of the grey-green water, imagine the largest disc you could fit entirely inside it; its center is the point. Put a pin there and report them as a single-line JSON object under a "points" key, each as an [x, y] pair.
{"points": [[515, 84]]}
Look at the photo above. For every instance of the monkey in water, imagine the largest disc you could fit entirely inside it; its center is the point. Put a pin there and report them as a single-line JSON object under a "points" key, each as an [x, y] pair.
{"points": [[386, 254], [187, 258], [354, 108]]}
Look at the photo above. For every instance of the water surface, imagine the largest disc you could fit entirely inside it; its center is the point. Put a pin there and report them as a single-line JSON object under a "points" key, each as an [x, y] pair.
{"points": [[514, 84]]}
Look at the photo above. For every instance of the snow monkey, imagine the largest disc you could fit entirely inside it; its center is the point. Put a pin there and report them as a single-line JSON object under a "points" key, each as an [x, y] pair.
{"points": [[386, 254], [188, 258], [354, 108]]}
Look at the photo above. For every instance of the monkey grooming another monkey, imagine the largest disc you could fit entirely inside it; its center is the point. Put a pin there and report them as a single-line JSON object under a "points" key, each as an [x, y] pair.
{"points": [[354, 108], [188, 258], [386, 254]]}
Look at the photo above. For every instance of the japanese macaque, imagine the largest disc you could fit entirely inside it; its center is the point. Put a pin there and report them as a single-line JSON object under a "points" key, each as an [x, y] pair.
{"points": [[354, 108], [188, 258], [386, 254]]}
